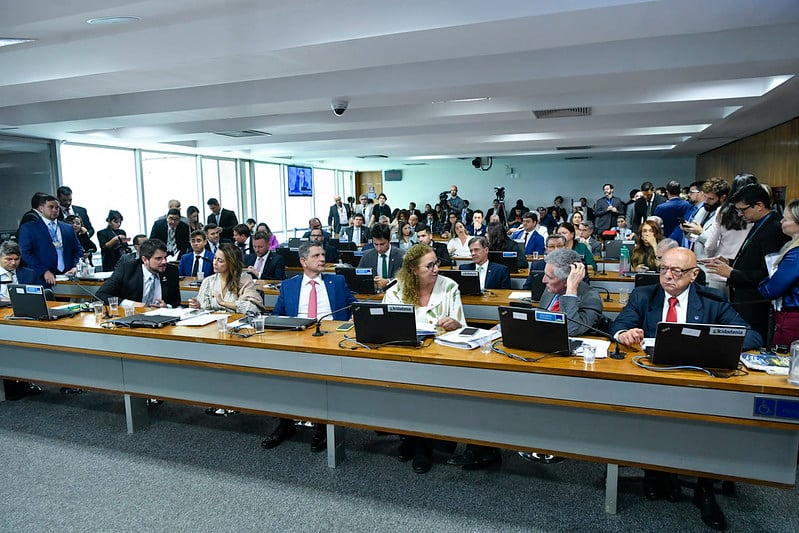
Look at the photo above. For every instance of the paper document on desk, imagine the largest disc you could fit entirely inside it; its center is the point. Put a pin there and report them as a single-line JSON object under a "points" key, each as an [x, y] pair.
{"points": [[519, 295], [600, 346], [199, 318], [454, 339]]}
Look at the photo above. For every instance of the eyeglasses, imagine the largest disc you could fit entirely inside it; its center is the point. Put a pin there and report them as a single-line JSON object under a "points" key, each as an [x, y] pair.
{"points": [[676, 272], [693, 192], [432, 266], [742, 210]]}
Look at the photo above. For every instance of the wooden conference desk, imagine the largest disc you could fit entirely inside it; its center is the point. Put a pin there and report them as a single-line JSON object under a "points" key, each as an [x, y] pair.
{"points": [[741, 428]]}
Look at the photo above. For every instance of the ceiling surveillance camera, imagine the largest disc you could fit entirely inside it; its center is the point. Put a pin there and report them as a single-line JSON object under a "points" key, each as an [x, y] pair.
{"points": [[339, 105]]}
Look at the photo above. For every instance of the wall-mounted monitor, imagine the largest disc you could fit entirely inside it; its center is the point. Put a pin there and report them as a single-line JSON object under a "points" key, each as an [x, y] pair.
{"points": [[300, 181]]}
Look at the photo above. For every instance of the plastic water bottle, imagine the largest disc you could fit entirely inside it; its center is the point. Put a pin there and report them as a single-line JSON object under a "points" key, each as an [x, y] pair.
{"points": [[793, 373], [624, 261]]}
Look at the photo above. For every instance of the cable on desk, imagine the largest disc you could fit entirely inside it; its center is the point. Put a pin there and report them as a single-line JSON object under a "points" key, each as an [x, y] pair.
{"points": [[638, 361], [516, 356]]}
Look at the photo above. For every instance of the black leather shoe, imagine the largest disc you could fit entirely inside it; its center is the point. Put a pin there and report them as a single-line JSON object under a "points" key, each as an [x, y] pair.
{"points": [[405, 451], [673, 492], [484, 459], [728, 489], [284, 430], [711, 513], [464, 458], [154, 401], [651, 485], [218, 411], [422, 463], [70, 390], [33, 388], [319, 439]]}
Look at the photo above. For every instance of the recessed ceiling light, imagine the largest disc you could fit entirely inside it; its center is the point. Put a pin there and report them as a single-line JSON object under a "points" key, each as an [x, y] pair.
{"points": [[461, 100], [9, 41], [113, 20]]}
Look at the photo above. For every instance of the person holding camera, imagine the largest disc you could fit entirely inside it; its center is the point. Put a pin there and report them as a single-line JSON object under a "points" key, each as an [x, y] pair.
{"points": [[113, 241]]}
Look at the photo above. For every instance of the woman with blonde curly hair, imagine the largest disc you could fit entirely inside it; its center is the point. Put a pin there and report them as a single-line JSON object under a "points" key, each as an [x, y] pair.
{"points": [[436, 299]]}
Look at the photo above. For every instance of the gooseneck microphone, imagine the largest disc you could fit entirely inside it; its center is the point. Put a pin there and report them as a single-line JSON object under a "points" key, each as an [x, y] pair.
{"points": [[320, 333], [74, 279], [617, 353]]}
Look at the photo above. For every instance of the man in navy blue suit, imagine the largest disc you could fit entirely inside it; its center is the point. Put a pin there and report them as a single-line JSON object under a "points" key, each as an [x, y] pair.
{"points": [[200, 259], [533, 241], [312, 295], [673, 208], [678, 299], [492, 275], [48, 246], [264, 264]]}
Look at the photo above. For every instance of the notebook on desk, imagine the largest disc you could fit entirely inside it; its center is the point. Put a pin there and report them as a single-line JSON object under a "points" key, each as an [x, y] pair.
{"points": [[703, 345], [377, 323], [536, 330], [143, 320], [288, 323], [468, 280], [29, 301]]}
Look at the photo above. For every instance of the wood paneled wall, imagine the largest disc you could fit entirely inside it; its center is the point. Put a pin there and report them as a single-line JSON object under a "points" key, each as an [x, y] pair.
{"points": [[771, 155]]}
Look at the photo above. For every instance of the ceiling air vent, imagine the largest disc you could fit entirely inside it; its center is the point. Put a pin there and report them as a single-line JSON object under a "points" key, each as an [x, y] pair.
{"points": [[372, 156], [566, 148], [242, 133], [563, 113], [577, 157]]}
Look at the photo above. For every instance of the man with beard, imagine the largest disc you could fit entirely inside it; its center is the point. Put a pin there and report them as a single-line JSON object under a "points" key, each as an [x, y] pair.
{"points": [[693, 231]]}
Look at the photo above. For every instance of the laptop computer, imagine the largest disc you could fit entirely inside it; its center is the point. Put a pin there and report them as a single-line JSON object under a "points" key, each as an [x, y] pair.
{"points": [[145, 321], [351, 257], [295, 242], [613, 248], [536, 330], [509, 259], [290, 257], [468, 281], [704, 345], [642, 279], [377, 323], [29, 301], [359, 280], [537, 285], [288, 323]]}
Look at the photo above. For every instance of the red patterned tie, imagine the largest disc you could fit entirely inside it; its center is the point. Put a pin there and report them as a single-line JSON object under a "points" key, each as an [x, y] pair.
{"points": [[555, 305], [671, 314], [312, 300]]}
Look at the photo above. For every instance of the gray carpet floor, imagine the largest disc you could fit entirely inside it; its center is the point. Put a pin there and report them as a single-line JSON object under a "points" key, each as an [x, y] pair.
{"points": [[68, 465]]}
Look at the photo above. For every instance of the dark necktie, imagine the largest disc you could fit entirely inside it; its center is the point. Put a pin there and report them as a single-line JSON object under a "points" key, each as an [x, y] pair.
{"points": [[385, 265], [196, 266]]}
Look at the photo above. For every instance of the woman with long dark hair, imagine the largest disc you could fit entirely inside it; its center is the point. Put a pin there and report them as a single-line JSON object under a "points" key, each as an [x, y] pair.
{"points": [[229, 288], [498, 241], [644, 256], [113, 241]]}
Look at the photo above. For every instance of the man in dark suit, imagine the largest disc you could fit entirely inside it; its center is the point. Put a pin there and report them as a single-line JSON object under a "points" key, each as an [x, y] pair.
{"points": [[10, 271], [384, 260], [64, 195], [528, 236], [201, 260], [748, 268], [172, 232], [673, 208], [48, 246], [558, 206], [313, 295], [644, 207], [264, 264], [242, 238], [678, 299], [492, 275], [567, 292], [316, 223], [160, 288], [331, 252], [425, 236], [339, 215], [413, 211], [224, 218], [357, 233], [606, 209]]}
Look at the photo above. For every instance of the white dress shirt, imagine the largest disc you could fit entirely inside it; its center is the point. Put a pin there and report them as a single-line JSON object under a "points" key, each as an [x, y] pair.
{"points": [[322, 301]]}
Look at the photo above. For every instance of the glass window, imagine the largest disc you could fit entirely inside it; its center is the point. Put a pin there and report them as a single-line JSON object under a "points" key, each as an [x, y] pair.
{"points": [[220, 181], [166, 177], [324, 191], [102, 179], [268, 195]]}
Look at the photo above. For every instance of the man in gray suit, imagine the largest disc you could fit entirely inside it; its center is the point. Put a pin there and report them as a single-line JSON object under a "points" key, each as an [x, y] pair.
{"points": [[568, 293], [384, 260]]}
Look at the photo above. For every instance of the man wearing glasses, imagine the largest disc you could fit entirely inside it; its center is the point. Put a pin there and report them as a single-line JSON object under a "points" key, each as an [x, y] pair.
{"points": [[677, 299], [748, 268]]}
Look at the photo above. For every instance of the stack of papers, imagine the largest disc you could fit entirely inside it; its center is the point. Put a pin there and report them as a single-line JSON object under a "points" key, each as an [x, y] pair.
{"points": [[771, 364], [454, 339]]}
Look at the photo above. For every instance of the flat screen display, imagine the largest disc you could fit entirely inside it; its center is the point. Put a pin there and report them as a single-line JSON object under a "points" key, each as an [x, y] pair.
{"points": [[300, 181]]}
